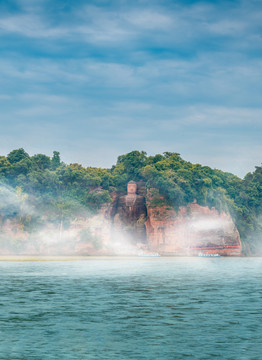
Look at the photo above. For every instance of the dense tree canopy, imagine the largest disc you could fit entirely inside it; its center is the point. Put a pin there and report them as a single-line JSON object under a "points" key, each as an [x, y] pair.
{"points": [[64, 191]]}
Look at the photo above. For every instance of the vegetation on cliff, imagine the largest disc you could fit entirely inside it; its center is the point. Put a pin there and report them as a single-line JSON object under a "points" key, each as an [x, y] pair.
{"points": [[60, 192]]}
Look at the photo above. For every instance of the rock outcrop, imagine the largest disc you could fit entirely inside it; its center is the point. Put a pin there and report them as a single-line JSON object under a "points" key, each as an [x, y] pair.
{"points": [[131, 223], [193, 230]]}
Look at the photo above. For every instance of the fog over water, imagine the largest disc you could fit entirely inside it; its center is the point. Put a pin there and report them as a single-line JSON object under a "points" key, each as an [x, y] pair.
{"points": [[132, 308]]}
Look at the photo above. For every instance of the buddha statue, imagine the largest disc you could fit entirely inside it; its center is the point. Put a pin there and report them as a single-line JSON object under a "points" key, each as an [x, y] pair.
{"points": [[129, 214]]}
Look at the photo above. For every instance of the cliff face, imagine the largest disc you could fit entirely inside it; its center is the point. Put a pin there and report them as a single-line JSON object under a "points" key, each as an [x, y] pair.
{"points": [[192, 230], [130, 223]]}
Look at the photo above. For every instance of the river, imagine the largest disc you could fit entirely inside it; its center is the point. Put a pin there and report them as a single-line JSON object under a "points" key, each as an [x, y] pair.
{"points": [[131, 308]]}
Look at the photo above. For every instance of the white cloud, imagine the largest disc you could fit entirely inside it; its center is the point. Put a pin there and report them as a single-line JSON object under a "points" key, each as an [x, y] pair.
{"points": [[227, 27], [221, 116], [129, 24], [30, 25], [4, 97], [148, 19], [178, 78]]}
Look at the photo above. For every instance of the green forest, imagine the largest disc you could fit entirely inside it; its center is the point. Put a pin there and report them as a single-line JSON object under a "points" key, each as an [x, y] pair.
{"points": [[60, 191]]}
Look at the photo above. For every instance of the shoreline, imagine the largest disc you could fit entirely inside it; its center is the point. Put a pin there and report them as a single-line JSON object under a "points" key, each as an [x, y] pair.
{"points": [[47, 258]]}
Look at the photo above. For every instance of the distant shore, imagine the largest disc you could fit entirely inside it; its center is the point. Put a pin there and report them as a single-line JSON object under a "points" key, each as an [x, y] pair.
{"points": [[91, 257]]}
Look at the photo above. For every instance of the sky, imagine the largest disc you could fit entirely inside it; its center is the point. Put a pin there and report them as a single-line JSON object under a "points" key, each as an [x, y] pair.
{"points": [[97, 79]]}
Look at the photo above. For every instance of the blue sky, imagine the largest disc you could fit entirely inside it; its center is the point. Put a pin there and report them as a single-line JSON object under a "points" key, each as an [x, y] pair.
{"points": [[96, 79]]}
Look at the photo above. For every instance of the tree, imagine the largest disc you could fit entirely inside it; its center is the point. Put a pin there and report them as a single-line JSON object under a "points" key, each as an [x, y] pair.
{"points": [[41, 161], [4, 165], [21, 167], [133, 162], [17, 155], [55, 162]]}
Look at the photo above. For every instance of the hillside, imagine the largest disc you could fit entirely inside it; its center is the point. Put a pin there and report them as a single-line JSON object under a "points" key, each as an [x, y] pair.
{"points": [[36, 190]]}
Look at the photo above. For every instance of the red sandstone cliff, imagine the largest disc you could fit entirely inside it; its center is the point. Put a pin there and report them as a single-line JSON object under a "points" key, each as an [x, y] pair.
{"points": [[192, 230]]}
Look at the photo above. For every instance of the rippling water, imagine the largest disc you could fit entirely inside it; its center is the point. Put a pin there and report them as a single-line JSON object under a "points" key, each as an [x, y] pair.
{"points": [[134, 308]]}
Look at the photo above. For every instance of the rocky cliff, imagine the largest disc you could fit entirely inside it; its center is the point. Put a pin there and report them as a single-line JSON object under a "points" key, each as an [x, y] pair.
{"points": [[130, 223], [192, 230]]}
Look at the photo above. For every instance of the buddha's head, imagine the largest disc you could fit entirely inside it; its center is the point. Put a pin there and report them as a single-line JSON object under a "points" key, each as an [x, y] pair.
{"points": [[131, 188]]}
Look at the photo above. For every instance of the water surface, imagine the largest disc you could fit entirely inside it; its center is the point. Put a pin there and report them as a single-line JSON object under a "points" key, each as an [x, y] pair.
{"points": [[133, 308]]}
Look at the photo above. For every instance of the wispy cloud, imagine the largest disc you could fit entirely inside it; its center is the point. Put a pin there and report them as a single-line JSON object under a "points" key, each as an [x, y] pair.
{"points": [[122, 75], [100, 24]]}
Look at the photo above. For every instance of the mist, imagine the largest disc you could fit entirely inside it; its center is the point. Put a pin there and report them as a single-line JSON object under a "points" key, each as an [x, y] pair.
{"points": [[86, 234], [33, 226]]}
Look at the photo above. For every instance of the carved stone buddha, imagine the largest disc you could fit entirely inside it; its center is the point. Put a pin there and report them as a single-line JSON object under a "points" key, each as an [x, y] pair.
{"points": [[129, 214]]}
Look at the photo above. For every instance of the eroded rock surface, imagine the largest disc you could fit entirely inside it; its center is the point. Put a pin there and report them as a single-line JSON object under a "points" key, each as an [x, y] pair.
{"points": [[193, 230], [132, 223]]}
